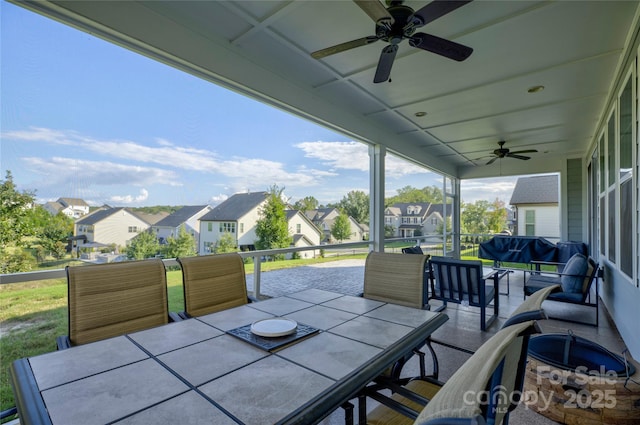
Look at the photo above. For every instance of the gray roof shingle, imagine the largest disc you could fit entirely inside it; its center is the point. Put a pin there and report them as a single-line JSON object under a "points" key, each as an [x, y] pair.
{"points": [[180, 216], [535, 190], [235, 207]]}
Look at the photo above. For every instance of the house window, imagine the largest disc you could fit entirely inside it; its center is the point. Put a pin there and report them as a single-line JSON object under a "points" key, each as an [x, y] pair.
{"points": [[298, 228], [133, 229], [387, 220], [228, 227], [241, 225], [210, 226], [530, 222], [434, 221], [626, 181]]}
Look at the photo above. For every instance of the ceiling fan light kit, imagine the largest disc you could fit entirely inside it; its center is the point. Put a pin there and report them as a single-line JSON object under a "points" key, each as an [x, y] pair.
{"points": [[398, 22]]}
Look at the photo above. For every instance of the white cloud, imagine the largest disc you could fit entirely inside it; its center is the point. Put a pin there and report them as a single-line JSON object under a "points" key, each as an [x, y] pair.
{"points": [[70, 172], [355, 156], [245, 171], [217, 199], [487, 189], [129, 199]]}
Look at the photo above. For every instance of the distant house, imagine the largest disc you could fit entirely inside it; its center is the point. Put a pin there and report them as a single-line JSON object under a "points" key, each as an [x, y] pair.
{"points": [[189, 216], [72, 207], [324, 218], [303, 232], [238, 216], [109, 226], [410, 219], [535, 200]]}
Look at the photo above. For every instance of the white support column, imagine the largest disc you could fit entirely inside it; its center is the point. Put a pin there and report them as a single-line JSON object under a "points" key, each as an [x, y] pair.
{"points": [[455, 216], [377, 154]]}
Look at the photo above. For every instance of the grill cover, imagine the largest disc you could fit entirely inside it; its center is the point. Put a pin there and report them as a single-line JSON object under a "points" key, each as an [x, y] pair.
{"points": [[518, 249]]}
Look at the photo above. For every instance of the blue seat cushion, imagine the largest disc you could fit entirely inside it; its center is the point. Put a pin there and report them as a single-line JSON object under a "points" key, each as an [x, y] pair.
{"points": [[573, 274]]}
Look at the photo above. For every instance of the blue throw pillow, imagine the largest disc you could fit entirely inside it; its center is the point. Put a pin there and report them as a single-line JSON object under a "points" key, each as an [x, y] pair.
{"points": [[573, 274]]}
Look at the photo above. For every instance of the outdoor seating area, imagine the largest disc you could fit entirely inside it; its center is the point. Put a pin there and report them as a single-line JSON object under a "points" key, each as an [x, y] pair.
{"points": [[463, 356]]}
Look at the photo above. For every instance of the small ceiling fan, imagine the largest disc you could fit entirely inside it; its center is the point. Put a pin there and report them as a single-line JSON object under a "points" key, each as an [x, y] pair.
{"points": [[398, 22], [503, 152]]}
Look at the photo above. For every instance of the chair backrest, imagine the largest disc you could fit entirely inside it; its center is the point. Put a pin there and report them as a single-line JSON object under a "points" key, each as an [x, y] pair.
{"points": [[396, 278], [107, 300], [488, 384], [213, 283], [590, 276], [453, 278]]}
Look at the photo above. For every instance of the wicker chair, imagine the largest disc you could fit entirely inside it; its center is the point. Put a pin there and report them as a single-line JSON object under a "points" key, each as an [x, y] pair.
{"points": [[496, 370], [107, 300], [213, 283]]}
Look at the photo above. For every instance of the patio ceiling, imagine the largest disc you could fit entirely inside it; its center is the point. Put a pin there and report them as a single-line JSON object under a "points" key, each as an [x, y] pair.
{"points": [[262, 49]]}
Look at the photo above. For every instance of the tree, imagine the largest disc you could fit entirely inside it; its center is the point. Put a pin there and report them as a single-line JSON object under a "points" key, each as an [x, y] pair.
{"points": [[15, 227], [226, 243], [356, 204], [497, 217], [15, 207], [52, 230], [341, 228], [143, 246], [474, 216], [272, 229], [183, 245], [410, 194], [308, 203]]}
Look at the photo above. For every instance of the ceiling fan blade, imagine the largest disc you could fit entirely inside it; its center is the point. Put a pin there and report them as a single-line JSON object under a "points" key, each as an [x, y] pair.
{"points": [[344, 46], [492, 160], [513, 155], [385, 63], [525, 151], [440, 46], [438, 8], [375, 10]]}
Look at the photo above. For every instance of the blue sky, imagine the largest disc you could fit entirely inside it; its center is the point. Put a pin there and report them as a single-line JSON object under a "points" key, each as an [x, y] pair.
{"points": [[84, 118]]}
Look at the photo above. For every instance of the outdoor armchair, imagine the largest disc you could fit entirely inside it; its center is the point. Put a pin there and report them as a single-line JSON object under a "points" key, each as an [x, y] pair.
{"points": [[495, 370], [213, 283], [576, 280], [531, 308], [107, 300], [462, 282]]}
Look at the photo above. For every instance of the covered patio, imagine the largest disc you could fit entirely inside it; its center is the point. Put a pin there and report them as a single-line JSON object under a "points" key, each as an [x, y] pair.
{"points": [[555, 79], [460, 334]]}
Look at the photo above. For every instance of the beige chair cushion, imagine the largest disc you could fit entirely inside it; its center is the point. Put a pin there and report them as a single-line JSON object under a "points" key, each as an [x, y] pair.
{"points": [[395, 278], [108, 300], [452, 401], [449, 401], [213, 283], [382, 415]]}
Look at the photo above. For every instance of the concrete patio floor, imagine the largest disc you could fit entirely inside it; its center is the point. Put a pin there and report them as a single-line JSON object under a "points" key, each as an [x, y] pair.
{"points": [[462, 329]]}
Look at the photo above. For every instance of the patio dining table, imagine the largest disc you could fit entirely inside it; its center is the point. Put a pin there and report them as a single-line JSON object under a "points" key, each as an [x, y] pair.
{"points": [[201, 370]]}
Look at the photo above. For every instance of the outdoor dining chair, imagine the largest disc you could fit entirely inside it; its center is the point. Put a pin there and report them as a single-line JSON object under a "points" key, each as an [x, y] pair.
{"points": [[399, 279], [213, 283], [483, 390], [107, 300]]}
